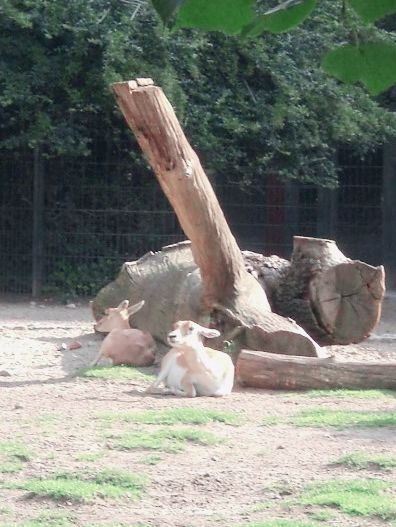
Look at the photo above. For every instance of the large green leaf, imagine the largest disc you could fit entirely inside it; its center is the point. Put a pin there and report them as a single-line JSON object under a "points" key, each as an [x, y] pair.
{"points": [[372, 10], [373, 64], [166, 8], [281, 18], [228, 16]]}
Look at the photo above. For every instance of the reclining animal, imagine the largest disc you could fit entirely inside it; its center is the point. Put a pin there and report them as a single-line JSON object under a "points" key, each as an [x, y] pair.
{"points": [[123, 344], [189, 368]]}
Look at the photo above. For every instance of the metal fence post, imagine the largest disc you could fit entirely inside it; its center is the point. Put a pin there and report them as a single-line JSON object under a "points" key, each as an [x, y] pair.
{"points": [[38, 223], [389, 213]]}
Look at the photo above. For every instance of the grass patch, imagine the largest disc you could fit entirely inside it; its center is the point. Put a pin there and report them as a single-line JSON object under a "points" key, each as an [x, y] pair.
{"points": [[116, 373], [81, 488], [318, 417], [346, 393], [362, 460], [173, 416], [46, 519], [11, 467], [321, 516], [15, 450], [89, 456], [164, 440], [356, 497], [13, 455], [281, 523], [151, 459]]}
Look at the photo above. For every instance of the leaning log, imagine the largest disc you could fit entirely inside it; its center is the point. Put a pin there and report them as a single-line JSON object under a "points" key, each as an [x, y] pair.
{"points": [[229, 294], [335, 299], [270, 371]]}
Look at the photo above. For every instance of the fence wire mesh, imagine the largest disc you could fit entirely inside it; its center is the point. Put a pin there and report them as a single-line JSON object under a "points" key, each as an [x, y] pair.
{"points": [[95, 216]]}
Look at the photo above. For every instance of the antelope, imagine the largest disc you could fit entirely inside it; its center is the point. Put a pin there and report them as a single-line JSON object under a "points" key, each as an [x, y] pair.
{"points": [[191, 369], [123, 344]]}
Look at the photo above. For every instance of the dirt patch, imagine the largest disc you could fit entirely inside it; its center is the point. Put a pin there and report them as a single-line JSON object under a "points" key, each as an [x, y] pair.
{"points": [[255, 473]]}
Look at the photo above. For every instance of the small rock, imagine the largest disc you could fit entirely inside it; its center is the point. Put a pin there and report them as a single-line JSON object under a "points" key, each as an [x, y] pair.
{"points": [[63, 347], [280, 447], [91, 343], [75, 345], [71, 305], [33, 303], [17, 406], [42, 306], [5, 373]]}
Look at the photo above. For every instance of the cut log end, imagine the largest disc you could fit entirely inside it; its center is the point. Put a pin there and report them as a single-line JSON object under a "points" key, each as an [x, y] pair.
{"points": [[346, 300]]}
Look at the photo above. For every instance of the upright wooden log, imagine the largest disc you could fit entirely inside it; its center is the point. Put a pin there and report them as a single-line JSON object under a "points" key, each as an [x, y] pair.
{"points": [[270, 371], [337, 300], [227, 287], [180, 174]]}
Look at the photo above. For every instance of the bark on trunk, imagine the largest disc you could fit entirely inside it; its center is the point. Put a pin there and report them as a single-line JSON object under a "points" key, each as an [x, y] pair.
{"points": [[270, 371], [337, 300], [158, 132]]}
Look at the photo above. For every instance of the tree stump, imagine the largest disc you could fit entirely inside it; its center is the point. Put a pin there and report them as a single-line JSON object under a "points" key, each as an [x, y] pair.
{"points": [[335, 299], [270, 371]]}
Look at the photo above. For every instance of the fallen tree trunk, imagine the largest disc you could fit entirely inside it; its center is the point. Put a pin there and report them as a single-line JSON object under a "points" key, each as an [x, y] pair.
{"points": [[229, 294], [337, 300], [267, 370]]}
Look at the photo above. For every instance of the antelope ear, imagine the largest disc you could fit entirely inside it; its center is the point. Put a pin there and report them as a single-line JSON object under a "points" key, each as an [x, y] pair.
{"points": [[135, 308], [209, 333], [123, 305]]}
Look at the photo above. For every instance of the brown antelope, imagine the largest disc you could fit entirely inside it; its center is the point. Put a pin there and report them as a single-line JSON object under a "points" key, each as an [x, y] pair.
{"points": [[123, 344]]}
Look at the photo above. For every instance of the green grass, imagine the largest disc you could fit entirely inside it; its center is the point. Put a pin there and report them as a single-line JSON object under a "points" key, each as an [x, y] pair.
{"points": [[346, 393], [280, 523], [318, 417], [11, 467], [172, 416], [151, 459], [16, 450], [13, 455], [82, 488], [362, 460], [321, 515], [164, 440], [89, 456], [355, 497], [46, 519], [116, 373]]}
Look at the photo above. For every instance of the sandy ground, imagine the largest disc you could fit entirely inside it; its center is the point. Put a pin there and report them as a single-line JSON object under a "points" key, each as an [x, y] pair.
{"points": [[253, 475]]}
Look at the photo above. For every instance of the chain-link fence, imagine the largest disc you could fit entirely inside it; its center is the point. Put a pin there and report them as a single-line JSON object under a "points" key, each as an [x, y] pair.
{"points": [[67, 227]]}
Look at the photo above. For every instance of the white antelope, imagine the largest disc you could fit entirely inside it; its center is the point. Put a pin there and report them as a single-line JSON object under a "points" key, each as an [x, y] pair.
{"points": [[123, 344], [191, 369]]}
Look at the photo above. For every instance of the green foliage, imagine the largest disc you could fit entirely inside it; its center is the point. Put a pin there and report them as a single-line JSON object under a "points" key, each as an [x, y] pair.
{"points": [[236, 17], [281, 18], [373, 63], [356, 497], [371, 11], [249, 108], [343, 418], [223, 15]]}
